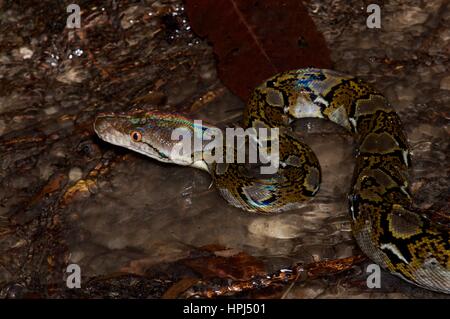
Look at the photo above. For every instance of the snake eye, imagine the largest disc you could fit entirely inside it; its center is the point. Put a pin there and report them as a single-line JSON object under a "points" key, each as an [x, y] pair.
{"points": [[136, 136]]}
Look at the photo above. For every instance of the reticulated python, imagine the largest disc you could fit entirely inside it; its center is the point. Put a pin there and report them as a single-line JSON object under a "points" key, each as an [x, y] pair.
{"points": [[385, 226]]}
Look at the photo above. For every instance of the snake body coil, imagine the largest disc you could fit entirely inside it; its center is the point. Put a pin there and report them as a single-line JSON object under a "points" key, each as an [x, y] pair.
{"points": [[385, 226]]}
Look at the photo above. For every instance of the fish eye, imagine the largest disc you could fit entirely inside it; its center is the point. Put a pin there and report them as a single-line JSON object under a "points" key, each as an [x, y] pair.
{"points": [[136, 136]]}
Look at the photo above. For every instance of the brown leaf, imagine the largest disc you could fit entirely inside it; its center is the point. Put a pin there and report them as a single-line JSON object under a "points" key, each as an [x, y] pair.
{"points": [[255, 39], [240, 266]]}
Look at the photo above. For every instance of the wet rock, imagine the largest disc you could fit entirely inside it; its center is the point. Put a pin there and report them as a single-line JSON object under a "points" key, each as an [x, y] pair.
{"points": [[21, 182], [344, 250], [181, 91], [445, 35], [75, 174], [72, 75], [409, 16], [76, 256], [445, 83], [151, 212], [363, 68], [208, 73], [390, 37], [405, 93], [438, 68], [309, 291], [26, 53], [51, 110], [366, 42], [2, 127], [129, 17], [426, 74], [12, 290]]}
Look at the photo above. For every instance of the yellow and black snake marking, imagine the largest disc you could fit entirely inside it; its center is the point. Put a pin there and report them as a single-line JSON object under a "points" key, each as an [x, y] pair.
{"points": [[385, 225]]}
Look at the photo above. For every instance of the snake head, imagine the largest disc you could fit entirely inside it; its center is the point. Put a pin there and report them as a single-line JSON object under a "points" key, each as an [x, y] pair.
{"points": [[147, 133]]}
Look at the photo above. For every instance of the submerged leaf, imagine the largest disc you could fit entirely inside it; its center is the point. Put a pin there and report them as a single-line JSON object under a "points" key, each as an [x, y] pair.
{"points": [[255, 39]]}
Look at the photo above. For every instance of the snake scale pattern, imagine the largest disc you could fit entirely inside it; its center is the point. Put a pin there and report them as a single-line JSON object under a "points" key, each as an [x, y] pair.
{"points": [[386, 227]]}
